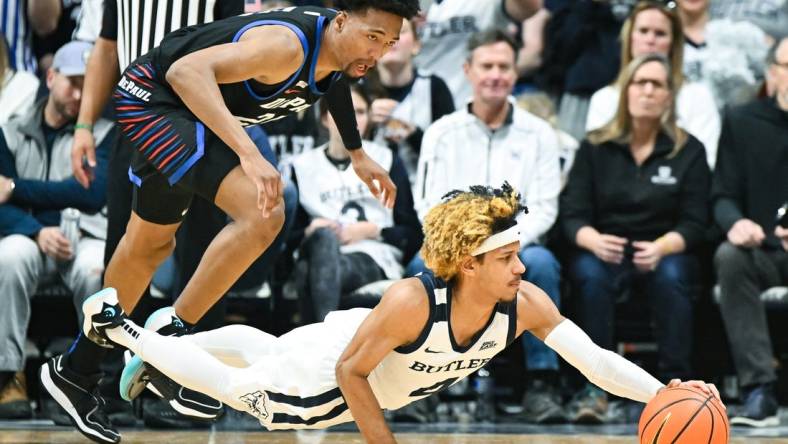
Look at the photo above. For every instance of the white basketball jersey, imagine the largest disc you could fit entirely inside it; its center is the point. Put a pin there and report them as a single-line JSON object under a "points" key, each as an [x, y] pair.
{"points": [[292, 384], [329, 192], [435, 361]]}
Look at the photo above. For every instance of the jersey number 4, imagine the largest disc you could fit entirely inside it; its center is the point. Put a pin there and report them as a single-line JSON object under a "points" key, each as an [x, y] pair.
{"points": [[435, 388]]}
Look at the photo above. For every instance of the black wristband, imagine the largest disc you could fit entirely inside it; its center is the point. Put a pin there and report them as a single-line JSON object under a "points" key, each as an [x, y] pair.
{"points": [[340, 105]]}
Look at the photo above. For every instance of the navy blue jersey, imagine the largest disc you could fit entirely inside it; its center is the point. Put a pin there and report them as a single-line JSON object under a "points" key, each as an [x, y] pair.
{"points": [[252, 102]]}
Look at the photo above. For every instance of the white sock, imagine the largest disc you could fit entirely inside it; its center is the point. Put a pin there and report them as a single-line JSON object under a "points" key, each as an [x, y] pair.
{"points": [[236, 345], [177, 357], [127, 334]]}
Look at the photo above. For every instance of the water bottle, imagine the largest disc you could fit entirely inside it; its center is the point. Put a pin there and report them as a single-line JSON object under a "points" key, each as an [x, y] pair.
{"points": [[69, 225], [484, 386]]}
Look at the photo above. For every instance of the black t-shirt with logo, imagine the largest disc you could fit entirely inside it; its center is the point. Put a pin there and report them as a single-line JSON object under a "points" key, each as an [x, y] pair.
{"points": [[610, 192]]}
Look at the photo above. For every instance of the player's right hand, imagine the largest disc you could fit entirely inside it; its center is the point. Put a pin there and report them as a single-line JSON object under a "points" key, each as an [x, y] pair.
{"points": [[707, 388], [83, 156], [267, 180]]}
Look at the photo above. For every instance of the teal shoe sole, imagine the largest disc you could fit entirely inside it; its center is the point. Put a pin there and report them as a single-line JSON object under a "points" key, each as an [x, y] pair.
{"points": [[132, 380]]}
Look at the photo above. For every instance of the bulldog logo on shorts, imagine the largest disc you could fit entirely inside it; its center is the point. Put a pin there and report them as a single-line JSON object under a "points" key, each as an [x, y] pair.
{"points": [[256, 403]]}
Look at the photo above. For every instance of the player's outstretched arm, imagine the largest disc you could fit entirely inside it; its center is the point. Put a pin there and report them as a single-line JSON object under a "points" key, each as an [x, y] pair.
{"points": [[610, 371], [397, 320]]}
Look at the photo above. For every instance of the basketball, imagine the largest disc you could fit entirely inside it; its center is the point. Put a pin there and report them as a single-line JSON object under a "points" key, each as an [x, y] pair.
{"points": [[682, 415]]}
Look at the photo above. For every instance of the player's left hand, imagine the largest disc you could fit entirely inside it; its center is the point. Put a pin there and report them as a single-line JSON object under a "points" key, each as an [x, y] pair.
{"points": [[376, 178], [709, 389], [647, 255]]}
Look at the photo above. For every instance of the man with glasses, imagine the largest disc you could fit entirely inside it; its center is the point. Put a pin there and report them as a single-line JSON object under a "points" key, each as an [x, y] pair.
{"points": [[749, 187]]}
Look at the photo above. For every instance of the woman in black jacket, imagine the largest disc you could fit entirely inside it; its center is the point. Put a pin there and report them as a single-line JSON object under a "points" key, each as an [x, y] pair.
{"points": [[635, 204]]}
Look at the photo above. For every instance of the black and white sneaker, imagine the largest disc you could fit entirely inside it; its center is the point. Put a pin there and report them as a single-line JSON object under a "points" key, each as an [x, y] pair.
{"points": [[102, 311], [78, 395], [189, 403], [138, 374], [760, 408]]}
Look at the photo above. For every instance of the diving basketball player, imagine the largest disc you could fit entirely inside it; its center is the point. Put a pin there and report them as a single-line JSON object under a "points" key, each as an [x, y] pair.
{"points": [[426, 334], [183, 106]]}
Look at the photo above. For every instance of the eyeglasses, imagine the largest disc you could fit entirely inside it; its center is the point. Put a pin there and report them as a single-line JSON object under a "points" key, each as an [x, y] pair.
{"points": [[641, 83]]}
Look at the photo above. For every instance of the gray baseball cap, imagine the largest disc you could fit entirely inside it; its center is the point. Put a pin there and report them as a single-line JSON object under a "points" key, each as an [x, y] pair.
{"points": [[72, 58]]}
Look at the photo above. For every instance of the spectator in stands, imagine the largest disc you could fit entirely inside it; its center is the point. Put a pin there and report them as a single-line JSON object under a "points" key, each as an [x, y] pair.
{"points": [[36, 183], [349, 237], [727, 55], [580, 55], [653, 27], [540, 105], [44, 45], [406, 101], [769, 15], [529, 57], [694, 15], [749, 186], [635, 206], [17, 88], [488, 141], [19, 20], [449, 23]]}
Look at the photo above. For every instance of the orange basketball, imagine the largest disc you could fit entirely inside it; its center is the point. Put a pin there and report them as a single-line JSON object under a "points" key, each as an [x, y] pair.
{"points": [[683, 415]]}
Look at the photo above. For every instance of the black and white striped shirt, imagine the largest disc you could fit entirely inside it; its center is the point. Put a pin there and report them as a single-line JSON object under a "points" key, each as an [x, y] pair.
{"points": [[18, 35], [139, 25]]}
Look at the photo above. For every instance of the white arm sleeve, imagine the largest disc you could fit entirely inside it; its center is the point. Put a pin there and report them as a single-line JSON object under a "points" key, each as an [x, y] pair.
{"points": [[608, 370]]}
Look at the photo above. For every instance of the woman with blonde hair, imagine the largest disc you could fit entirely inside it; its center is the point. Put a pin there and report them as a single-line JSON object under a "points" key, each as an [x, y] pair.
{"points": [[635, 206], [655, 28]]}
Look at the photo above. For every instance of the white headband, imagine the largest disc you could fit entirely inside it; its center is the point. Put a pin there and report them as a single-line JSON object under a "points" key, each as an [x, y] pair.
{"points": [[498, 240]]}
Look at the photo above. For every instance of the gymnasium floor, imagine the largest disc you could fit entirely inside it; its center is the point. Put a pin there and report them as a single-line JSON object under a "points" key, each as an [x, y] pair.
{"points": [[40, 432], [239, 428]]}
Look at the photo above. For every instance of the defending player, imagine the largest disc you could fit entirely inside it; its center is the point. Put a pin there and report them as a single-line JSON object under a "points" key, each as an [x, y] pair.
{"points": [[182, 106], [426, 334]]}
